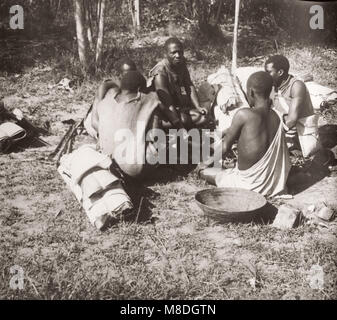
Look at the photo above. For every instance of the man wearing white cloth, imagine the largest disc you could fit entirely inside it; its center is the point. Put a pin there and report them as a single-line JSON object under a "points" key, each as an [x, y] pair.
{"points": [[294, 102], [263, 159]]}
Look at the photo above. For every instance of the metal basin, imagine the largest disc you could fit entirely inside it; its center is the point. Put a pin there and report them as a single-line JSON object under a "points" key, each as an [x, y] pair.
{"points": [[230, 204]]}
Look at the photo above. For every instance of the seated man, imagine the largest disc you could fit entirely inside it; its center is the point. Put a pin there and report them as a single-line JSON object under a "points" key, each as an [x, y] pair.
{"points": [[172, 82], [294, 102], [263, 159], [124, 117], [124, 65]]}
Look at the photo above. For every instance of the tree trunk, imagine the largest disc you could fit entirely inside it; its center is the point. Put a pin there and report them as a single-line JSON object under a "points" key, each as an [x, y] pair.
{"points": [[98, 12], [88, 18], [82, 40], [218, 12], [100, 36], [132, 14], [137, 14]]}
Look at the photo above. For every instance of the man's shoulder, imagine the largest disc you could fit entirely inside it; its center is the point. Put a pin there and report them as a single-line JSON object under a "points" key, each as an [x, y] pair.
{"points": [[298, 87], [248, 116], [160, 67], [245, 113]]}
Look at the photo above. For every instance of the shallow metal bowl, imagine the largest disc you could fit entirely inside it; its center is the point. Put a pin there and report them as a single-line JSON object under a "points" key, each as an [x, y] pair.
{"points": [[230, 204]]}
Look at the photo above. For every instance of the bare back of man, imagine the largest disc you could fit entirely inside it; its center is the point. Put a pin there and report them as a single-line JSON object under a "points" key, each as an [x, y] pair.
{"points": [[263, 160], [258, 129]]}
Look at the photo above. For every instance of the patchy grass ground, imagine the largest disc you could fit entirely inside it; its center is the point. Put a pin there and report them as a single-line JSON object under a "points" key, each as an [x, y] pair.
{"points": [[177, 253]]}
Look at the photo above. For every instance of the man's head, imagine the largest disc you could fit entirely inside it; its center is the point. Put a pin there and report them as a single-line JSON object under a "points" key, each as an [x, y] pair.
{"points": [[174, 51], [259, 86], [278, 67], [125, 65], [133, 81]]}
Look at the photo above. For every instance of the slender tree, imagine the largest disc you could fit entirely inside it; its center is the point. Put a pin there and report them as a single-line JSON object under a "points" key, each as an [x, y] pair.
{"points": [[90, 33], [100, 36], [217, 18], [134, 6], [88, 18], [82, 39], [137, 14]]}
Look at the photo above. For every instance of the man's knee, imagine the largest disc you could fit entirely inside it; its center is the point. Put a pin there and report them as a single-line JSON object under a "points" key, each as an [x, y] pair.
{"points": [[209, 174]]}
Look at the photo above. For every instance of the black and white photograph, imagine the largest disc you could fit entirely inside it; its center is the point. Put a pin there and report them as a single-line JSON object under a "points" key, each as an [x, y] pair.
{"points": [[174, 151]]}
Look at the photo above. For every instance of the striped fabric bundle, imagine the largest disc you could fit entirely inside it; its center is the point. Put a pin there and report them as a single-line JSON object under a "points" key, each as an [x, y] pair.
{"points": [[101, 194]]}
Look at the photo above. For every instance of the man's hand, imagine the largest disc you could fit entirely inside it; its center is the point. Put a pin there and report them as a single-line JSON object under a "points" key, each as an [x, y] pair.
{"points": [[203, 111]]}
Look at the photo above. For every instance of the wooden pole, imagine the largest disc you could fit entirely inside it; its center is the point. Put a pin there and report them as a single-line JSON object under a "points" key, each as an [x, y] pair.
{"points": [[235, 38]]}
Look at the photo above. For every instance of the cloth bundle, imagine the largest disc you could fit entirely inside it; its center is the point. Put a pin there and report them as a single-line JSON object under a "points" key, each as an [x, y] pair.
{"points": [[230, 97], [101, 194], [10, 133], [320, 94]]}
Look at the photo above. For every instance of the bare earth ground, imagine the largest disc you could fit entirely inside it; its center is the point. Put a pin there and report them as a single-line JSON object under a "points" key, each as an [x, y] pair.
{"points": [[176, 253]]}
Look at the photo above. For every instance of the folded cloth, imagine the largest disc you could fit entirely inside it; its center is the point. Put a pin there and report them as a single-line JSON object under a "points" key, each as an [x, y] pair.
{"points": [[268, 176], [96, 181], [10, 133], [243, 74], [83, 159], [230, 94], [229, 98], [319, 94], [10, 130], [100, 193], [112, 203]]}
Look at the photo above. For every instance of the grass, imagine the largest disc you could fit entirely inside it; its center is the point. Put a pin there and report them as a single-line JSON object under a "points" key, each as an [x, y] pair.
{"points": [[177, 253]]}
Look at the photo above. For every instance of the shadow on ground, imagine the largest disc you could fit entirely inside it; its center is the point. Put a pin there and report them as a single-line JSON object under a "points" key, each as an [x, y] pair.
{"points": [[328, 135]]}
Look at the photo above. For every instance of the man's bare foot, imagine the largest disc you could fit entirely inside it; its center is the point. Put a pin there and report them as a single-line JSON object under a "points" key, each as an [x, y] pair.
{"points": [[200, 167]]}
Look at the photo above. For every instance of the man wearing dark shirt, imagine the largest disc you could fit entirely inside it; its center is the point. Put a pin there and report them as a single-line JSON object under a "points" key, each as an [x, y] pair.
{"points": [[172, 82]]}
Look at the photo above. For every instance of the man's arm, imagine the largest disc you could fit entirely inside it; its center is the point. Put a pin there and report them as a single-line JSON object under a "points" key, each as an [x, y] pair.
{"points": [[231, 135], [195, 99], [193, 93], [298, 92], [166, 105]]}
